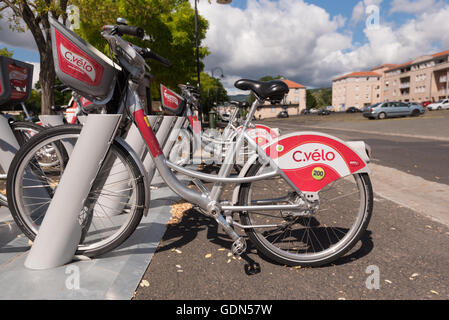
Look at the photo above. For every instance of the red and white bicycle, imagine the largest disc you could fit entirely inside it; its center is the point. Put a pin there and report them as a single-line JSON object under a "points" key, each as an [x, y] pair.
{"points": [[302, 199]]}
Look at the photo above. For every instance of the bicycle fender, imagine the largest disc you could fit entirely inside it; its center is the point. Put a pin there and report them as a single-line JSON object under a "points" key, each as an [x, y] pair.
{"points": [[263, 135], [312, 160]]}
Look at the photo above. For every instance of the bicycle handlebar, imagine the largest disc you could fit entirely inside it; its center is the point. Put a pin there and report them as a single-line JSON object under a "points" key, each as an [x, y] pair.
{"points": [[130, 31], [149, 54]]}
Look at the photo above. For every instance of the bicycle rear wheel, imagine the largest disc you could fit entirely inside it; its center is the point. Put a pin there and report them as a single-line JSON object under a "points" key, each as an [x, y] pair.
{"points": [[113, 208], [306, 237]]}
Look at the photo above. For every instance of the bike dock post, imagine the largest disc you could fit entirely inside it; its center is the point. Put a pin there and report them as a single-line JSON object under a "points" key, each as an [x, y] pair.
{"points": [[8, 144], [52, 120], [173, 135], [162, 135], [60, 232], [118, 178]]}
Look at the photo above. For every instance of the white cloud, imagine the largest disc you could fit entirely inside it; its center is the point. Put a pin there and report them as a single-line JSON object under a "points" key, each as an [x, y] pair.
{"points": [[414, 6], [36, 70], [304, 43], [15, 39], [359, 11], [289, 37]]}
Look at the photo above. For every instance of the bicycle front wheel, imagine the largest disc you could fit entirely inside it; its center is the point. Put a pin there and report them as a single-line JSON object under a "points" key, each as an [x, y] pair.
{"points": [[307, 237], [113, 208], [23, 131]]}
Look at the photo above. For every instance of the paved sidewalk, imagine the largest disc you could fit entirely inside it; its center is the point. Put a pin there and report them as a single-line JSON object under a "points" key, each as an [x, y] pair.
{"points": [[115, 275]]}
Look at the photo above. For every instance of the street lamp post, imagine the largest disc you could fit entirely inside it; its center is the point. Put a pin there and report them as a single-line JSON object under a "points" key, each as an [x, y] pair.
{"points": [[200, 109]]}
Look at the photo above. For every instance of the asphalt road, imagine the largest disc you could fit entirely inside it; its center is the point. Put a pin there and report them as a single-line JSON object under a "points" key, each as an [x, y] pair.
{"points": [[406, 144], [409, 250]]}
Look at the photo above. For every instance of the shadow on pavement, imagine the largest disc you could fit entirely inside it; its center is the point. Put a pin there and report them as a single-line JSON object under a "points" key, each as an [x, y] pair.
{"points": [[193, 222]]}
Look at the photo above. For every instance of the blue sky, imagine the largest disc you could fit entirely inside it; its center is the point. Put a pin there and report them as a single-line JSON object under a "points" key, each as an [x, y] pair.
{"points": [[326, 38], [333, 7]]}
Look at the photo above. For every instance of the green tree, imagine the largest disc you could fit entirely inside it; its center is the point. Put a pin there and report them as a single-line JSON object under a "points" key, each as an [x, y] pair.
{"points": [[6, 53], [61, 98], [310, 100], [35, 13], [212, 92], [170, 23]]}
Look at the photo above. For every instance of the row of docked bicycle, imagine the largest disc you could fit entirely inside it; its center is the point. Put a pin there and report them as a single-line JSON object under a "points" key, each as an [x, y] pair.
{"points": [[301, 199]]}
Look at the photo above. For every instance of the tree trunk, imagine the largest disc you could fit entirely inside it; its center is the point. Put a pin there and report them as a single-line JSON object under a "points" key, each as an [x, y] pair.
{"points": [[47, 81], [47, 76]]}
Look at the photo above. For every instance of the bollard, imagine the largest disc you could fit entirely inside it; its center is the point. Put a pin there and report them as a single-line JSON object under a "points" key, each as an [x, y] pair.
{"points": [[118, 178], [8, 144], [60, 232]]}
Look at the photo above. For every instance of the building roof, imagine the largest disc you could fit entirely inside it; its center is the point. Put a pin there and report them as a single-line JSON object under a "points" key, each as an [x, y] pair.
{"points": [[292, 84], [442, 53], [387, 65], [359, 74], [435, 55]]}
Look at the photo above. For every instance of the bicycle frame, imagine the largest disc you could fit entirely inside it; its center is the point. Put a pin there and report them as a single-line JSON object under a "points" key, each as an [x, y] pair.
{"points": [[163, 165]]}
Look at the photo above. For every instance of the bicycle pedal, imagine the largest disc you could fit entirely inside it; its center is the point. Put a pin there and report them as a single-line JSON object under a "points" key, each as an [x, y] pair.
{"points": [[252, 268], [238, 247]]}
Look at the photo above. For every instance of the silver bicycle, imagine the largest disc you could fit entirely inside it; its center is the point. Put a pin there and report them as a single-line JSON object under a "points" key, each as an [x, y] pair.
{"points": [[304, 199]]}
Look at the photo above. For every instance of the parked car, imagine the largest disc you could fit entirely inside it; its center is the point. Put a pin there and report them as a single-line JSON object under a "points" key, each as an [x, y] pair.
{"points": [[426, 103], [305, 111], [324, 112], [442, 104], [353, 110], [283, 114], [393, 109]]}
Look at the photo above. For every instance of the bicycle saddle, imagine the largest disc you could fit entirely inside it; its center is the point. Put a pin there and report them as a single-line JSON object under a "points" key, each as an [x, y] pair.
{"points": [[274, 90]]}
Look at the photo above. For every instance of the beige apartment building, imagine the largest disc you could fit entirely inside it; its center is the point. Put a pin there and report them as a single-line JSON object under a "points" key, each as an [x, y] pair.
{"points": [[419, 80], [422, 79], [293, 103], [359, 89]]}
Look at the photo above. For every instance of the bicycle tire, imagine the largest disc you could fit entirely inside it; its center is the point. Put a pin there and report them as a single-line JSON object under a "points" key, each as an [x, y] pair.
{"points": [[285, 258]]}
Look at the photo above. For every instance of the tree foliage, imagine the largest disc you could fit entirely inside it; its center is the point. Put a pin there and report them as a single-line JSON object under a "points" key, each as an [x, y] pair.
{"points": [[212, 92], [170, 23], [35, 13], [323, 97], [6, 53], [310, 100]]}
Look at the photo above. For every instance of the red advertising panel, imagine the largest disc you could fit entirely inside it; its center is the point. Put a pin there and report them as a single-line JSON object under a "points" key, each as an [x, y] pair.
{"points": [[171, 101], [16, 80]]}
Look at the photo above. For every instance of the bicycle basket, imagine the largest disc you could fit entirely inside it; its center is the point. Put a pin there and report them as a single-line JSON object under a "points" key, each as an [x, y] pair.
{"points": [[171, 102], [16, 81], [81, 66]]}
